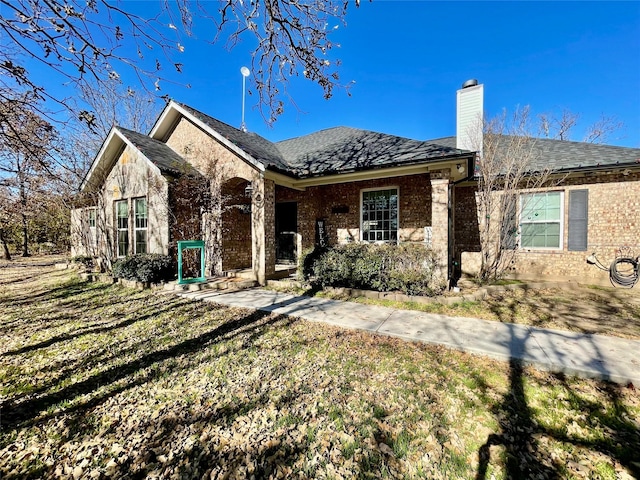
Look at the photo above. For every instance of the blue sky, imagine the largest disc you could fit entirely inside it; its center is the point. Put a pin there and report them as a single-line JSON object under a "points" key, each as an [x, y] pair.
{"points": [[408, 58]]}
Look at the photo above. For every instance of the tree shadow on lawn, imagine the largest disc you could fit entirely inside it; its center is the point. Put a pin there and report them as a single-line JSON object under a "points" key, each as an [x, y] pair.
{"points": [[68, 291], [610, 314], [520, 431], [20, 414], [92, 329], [158, 446], [59, 370]]}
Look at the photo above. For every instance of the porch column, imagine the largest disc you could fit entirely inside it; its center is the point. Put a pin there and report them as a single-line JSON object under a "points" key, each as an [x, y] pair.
{"points": [[440, 223], [263, 229]]}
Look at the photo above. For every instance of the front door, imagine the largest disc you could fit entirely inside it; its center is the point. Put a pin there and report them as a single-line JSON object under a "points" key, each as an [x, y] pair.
{"points": [[286, 232]]}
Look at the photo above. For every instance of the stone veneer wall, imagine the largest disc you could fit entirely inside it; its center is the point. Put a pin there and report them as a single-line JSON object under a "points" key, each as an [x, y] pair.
{"points": [[206, 154], [132, 177]]}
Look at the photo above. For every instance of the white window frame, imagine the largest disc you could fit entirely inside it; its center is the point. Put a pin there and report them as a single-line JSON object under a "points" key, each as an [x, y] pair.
{"points": [[120, 229], [92, 220], [137, 229], [379, 189], [560, 221]]}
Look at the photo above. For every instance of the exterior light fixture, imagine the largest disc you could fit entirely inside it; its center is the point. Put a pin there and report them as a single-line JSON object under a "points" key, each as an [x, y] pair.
{"points": [[248, 190], [460, 168]]}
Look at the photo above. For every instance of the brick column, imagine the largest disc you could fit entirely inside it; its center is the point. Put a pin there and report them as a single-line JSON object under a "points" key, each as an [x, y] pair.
{"points": [[263, 229], [270, 228], [440, 223]]}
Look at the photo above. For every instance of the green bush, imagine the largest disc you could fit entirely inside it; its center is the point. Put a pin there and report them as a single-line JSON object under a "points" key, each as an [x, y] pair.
{"points": [[86, 260], [412, 270], [408, 268], [147, 267]]}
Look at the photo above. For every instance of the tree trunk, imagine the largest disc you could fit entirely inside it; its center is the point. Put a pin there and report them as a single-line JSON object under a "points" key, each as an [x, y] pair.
{"points": [[23, 213], [25, 236], [5, 248]]}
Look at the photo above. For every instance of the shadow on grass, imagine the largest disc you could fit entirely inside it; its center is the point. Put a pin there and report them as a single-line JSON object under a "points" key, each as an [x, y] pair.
{"points": [[92, 329], [523, 457], [520, 431], [610, 313], [19, 414]]}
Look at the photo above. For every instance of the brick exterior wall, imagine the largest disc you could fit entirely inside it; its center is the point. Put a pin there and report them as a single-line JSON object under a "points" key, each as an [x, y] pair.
{"points": [[466, 234], [236, 224], [328, 202], [613, 222]]}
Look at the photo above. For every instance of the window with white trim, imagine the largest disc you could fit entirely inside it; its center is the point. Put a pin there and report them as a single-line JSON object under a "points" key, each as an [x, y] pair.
{"points": [[379, 215], [122, 227], [91, 220], [140, 226], [541, 220]]}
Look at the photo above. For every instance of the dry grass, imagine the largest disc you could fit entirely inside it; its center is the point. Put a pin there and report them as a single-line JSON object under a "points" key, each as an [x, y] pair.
{"points": [[597, 310], [100, 381]]}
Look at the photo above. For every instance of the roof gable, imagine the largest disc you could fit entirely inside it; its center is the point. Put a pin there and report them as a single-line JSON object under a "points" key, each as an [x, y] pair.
{"points": [[259, 148], [158, 153], [163, 158]]}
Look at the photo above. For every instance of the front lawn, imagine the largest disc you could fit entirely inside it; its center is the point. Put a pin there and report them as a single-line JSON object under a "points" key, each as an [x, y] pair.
{"points": [[99, 381], [587, 309]]}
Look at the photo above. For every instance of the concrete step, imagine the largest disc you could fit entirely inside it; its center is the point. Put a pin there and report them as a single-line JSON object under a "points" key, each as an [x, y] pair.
{"points": [[218, 283]]}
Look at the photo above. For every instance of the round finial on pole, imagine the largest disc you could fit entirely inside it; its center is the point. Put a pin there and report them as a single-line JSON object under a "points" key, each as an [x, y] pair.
{"points": [[245, 73]]}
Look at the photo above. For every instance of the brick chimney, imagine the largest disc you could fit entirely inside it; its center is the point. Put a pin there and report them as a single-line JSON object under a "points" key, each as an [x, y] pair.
{"points": [[469, 116]]}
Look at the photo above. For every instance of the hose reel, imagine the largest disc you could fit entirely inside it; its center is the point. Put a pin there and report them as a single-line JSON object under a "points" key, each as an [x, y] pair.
{"points": [[624, 271]]}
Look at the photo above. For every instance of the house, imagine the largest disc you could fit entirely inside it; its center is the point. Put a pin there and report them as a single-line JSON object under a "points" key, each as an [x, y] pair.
{"points": [[257, 203]]}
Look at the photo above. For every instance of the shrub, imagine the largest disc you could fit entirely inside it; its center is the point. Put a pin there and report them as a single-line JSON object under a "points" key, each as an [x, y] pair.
{"points": [[307, 260], [408, 268], [86, 260], [148, 268], [412, 271]]}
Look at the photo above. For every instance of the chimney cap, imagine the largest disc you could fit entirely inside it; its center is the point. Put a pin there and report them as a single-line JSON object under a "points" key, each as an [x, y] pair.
{"points": [[470, 83]]}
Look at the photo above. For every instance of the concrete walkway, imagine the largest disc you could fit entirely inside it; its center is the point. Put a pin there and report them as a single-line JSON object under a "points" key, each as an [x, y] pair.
{"points": [[585, 355]]}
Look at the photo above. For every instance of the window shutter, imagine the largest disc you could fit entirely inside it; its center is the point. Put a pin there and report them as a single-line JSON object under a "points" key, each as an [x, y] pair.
{"points": [[578, 220]]}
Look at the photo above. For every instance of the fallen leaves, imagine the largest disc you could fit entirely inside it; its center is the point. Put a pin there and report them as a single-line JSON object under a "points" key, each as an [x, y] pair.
{"points": [[108, 383]]}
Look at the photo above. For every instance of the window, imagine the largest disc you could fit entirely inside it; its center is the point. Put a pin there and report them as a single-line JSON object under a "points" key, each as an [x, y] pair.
{"points": [[140, 208], [91, 220], [122, 227], [91, 214], [541, 220], [380, 215]]}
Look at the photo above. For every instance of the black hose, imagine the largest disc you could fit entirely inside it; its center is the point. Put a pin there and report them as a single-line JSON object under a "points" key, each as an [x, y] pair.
{"points": [[627, 277]]}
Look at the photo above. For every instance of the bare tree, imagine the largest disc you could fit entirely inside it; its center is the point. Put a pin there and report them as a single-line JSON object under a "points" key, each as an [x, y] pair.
{"points": [[509, 163], [558, 127], [24, 141], [600, 131], [83, 42], [114, 105], [6, 221]]}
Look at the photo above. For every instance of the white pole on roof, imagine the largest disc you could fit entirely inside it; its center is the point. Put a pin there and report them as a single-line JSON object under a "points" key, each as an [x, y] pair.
{"points": [[245, 73]]}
